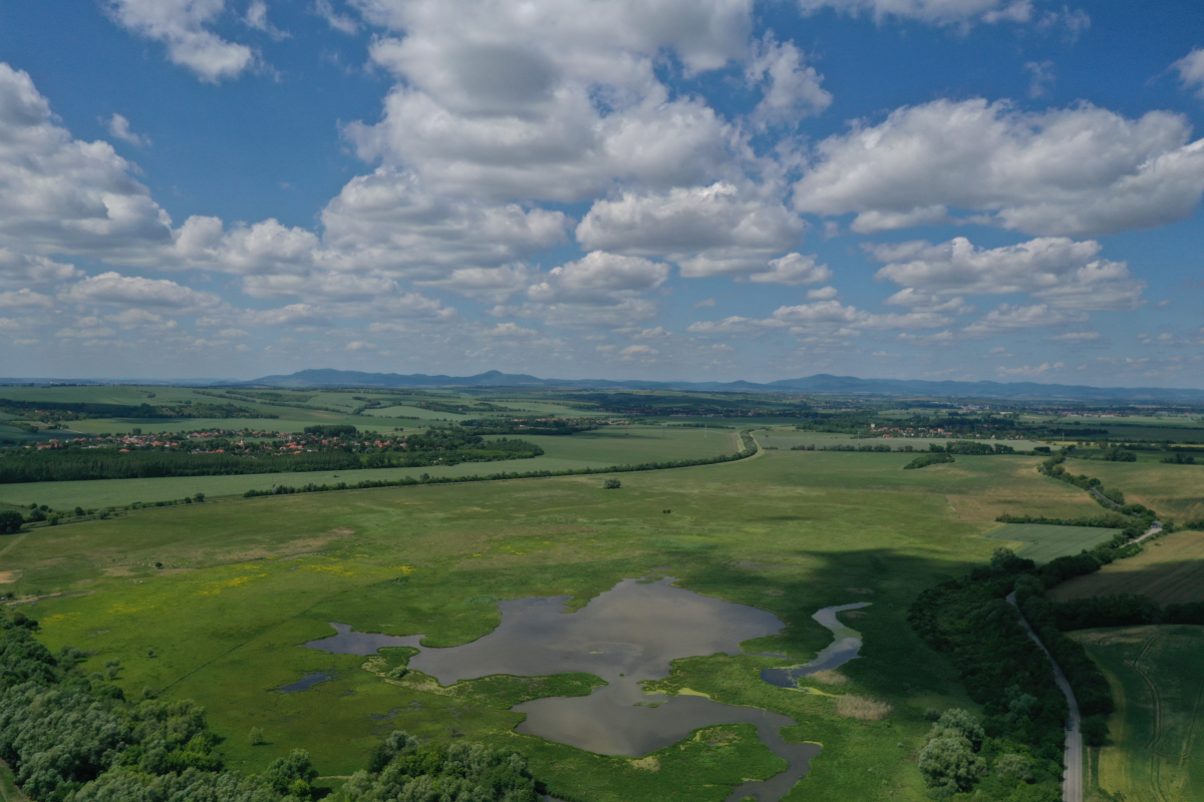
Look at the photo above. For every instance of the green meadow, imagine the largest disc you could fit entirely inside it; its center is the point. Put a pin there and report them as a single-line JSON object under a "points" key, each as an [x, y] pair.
{"points": [[213, 601], [1157, 749]]}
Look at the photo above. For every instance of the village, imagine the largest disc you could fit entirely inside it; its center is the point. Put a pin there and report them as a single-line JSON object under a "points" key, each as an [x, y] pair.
{"points": [[233, 441]]}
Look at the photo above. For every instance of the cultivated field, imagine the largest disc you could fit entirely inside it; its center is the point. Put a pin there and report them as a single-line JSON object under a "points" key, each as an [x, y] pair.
{"points": [[1042, 542], [1157, 750], [1176, 491], [212, 602], [785, 438], [1169, 569]]}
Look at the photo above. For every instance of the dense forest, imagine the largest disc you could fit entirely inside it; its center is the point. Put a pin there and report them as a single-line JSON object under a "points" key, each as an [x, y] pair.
{"points": [[71, 736]]}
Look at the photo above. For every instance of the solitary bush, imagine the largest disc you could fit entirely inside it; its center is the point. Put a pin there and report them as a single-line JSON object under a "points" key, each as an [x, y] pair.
{"points": [[10, 522], [612, 484]]}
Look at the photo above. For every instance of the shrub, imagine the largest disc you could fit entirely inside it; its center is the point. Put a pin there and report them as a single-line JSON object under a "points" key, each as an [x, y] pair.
{"points": [[10, 522]]}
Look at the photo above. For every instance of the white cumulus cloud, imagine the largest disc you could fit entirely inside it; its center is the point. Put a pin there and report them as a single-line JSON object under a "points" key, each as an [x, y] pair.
{"points": [[1068, 172], [182, 26]]}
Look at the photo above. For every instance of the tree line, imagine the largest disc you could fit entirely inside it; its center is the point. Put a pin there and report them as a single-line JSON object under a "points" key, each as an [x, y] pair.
{"points": [[747, 449]]}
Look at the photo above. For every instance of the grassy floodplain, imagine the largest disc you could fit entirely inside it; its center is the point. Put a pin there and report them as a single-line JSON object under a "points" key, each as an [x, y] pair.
{"points": [[1157, 750], [605, 448], [211, 602]]}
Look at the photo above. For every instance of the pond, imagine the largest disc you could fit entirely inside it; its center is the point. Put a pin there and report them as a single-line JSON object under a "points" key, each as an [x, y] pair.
{"points": [[626, 636]]}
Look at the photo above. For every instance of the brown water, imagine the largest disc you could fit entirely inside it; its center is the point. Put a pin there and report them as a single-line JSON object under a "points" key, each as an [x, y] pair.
{"points": [[626, 636]]}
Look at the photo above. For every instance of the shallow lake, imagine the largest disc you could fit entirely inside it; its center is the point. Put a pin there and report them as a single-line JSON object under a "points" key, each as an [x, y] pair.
{"points": [[626, 636]]}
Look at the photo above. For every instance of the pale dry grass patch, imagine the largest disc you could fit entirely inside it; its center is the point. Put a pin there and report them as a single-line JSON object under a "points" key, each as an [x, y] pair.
{"points": [[859, 707]]}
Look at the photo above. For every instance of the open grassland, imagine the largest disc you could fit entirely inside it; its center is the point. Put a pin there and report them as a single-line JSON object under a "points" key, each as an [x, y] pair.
{"points": [[1169, 569], [1157, 744], [1176, 491], [604, 448], [1042, 542], [212, 601]]}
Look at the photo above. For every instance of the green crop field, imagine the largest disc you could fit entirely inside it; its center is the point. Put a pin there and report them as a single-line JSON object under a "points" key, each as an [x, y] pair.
{"points": [[1169, 569], [1157, 747], [591, 449], [405, 411], [1176, 491], [785, 438], [212, 601], [1042, 542]]}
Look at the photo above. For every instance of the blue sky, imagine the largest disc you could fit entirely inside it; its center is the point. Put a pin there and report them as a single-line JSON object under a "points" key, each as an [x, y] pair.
{"points": [[693, 189]]}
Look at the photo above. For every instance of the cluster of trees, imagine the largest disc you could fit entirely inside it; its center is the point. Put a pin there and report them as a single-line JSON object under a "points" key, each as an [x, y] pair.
{"points": [[1179, 458], [11, 522], [1123, 610], [436, 447], [332, 430], [882, 448], [931, 458], [970, 621], [951, 759], [1108, 454], [551, 426], [70, 736], [973, 447], [406, 770]]}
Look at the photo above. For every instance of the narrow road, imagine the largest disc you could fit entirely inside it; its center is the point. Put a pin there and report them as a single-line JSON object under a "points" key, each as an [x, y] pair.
{"points": [[1072, 757], [1155, 529], [1103, 500]]}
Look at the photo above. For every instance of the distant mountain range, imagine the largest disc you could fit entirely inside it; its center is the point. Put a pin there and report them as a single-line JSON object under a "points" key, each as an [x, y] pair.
{"points": [[818, 384]]}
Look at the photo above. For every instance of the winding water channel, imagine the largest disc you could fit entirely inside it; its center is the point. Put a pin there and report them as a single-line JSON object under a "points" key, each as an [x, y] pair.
{"points": [[626, 636]]}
